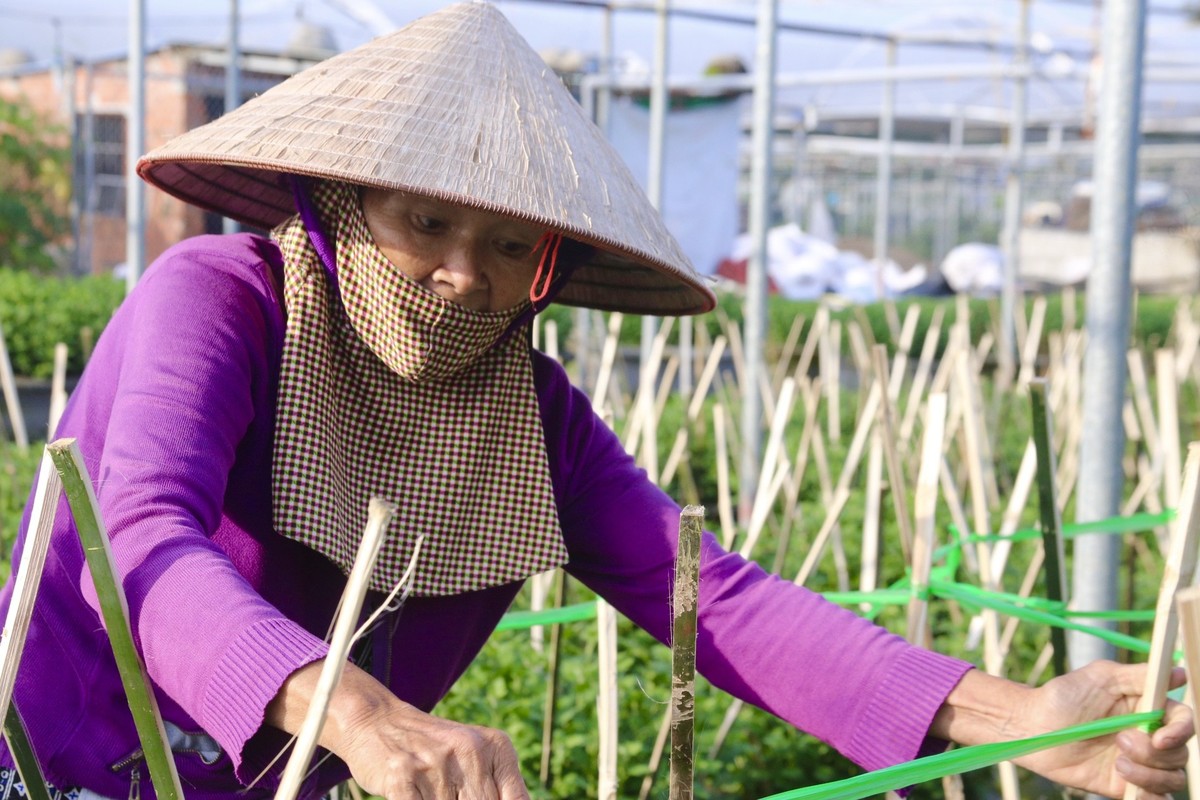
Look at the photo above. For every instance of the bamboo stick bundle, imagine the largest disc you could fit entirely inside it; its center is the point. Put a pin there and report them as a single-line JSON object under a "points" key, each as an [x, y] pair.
{"points": [[1168, 421], [921, 375], [8, 385], [1179, 570], [607, 701], [379, 515], [683, 652], [58, 389]]}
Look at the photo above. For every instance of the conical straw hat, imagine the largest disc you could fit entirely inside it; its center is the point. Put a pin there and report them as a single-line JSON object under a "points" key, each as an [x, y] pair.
{"points": [[456, 106]]}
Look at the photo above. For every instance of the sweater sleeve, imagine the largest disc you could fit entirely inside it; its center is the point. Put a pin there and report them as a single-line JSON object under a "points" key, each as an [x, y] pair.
{"points": [[865, 691], [193, 361]]}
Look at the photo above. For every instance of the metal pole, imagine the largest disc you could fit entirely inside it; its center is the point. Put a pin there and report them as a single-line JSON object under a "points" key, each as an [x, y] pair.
{"points": [[1100, 478], [233, 86], [1006, 354], [658, 136], [756, 274], [135, 145], [883, 172]]}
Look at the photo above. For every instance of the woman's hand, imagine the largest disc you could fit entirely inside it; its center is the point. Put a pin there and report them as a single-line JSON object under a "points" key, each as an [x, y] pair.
{"points": [[397, 751], [985, 709]]}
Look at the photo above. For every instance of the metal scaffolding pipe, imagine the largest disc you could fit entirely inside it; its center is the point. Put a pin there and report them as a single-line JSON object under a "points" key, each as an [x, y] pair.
{"points": [[135, 145], [756, 274], [233, 85], [883, 171], [1006, 354], [1094, 586]]}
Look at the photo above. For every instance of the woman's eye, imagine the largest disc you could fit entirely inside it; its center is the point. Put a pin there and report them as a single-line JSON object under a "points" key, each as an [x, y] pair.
{"points": [[427, 224], [513, 249]]}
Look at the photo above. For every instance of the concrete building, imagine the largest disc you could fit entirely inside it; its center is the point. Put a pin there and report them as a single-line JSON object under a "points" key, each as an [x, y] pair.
{"points": [[88, 104]]}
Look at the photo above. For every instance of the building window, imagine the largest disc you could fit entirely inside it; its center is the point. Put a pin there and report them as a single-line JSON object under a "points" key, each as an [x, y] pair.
{"points": [[100, 164]]}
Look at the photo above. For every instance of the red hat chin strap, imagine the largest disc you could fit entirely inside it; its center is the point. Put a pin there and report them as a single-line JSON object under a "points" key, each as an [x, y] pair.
{"points": [[549, 243]]}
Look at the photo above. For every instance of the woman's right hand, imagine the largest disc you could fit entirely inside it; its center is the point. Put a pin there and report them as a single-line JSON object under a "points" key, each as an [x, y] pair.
{"points": [[397, 751]]}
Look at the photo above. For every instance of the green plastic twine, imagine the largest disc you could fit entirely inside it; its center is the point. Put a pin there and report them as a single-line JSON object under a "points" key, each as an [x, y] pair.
{"points": [[963, 759], [519, 620]]}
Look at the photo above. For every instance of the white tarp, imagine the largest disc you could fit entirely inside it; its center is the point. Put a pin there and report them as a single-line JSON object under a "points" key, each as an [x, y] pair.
{"points": [[700, 172]]}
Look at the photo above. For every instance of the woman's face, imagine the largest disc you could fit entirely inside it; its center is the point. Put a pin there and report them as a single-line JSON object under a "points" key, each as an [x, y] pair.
{"points": [[478, 260]]}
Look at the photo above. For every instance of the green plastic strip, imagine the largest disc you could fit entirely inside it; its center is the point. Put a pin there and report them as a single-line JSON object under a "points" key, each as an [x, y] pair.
{"points": [[520, 620], [963, 759], [23, 755], [1134, 523], [68, 460]]}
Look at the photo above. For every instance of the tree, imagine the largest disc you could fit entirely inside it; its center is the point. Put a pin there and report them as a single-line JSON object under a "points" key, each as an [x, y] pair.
{"points": [[34, 188]]}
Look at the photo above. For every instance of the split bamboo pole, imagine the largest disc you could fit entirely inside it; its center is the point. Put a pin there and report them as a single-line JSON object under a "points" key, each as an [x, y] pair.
{"points": [[868, 576], [887, 423], [724, 494], [1051, 515], [68, 461], [1187, 602], [768, 486], [58, 390], [607, 357], [1033, 342], [815, 335], [19, 746], [921, 376], [1168, 425], [379, 514], [812, 397], [831, 379], [683, 652], [784, 365], [1178, 572], [1141, 403], [607, 701], [925, 509], [550, 706], [908, 332]]}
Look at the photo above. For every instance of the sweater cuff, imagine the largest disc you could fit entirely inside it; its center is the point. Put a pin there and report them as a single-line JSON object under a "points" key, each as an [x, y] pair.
{"points": [[894, 727], [248, 678]]}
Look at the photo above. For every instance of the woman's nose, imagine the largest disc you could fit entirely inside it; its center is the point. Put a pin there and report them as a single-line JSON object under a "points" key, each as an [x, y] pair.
{"points": [[462, 270]]}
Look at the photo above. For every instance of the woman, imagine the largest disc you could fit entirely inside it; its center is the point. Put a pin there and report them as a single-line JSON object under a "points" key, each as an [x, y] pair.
{"points": [[252, 393]]}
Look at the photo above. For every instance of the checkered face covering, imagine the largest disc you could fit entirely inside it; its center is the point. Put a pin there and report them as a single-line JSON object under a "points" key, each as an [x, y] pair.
{"points": [[392, 391]]}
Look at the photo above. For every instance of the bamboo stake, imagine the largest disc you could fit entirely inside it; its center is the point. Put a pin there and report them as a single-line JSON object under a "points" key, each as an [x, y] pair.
{"points": [[799, 464], [1141, 402], [912, 315], [868, 578], [58, 389], [784, 365], [924, 368], [925, 508], [1033, 342], [607, 357], [1016, 505], [9, 385], [656, 754], [23, 756], [765, 497], [724, 494], [550, 334], [1188, 605], [831, 363], [1187, 338], [1168, 422], [891, 455], [379, 514], [861, 353], [1056, 574], [706, 377], [28, 577], [606, 700], [815, 334], [1178, 572], [68, 461], [550, 708], [683, 652]]}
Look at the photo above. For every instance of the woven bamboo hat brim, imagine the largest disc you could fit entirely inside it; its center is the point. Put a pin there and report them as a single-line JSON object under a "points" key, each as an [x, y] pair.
{"points": [[459, 107]]}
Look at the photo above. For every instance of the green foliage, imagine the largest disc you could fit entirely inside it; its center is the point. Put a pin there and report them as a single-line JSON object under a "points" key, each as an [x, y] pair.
{"points": [[17, 471], [37, 312], [34, 188]]}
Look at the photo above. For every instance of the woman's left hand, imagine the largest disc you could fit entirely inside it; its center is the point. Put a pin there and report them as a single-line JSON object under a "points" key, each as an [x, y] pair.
{"points": [[984, 708]]}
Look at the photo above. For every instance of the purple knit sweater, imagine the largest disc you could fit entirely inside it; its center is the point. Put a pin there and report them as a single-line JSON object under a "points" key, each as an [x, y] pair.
{"points": [[175, 417]]}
